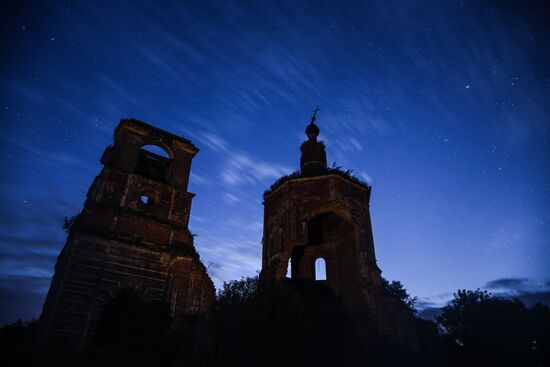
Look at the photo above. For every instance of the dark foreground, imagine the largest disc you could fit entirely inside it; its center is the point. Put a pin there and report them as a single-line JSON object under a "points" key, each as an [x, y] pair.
{"points": [[290, 325]]}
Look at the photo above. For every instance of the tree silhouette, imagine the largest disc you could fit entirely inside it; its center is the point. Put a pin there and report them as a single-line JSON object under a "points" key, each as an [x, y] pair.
{"points": [[290, 323], [282, 323], [68, 223], [397, 290], [480, 328]]}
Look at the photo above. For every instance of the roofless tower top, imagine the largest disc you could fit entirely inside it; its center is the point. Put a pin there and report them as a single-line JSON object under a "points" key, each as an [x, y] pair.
{"points": [[317, 228]]}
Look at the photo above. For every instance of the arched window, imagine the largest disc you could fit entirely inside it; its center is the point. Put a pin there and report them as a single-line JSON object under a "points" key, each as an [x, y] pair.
{"points": [[289, 269], [320, 269], [128, 319], [153, 162], [155, 149], [145, 199]]}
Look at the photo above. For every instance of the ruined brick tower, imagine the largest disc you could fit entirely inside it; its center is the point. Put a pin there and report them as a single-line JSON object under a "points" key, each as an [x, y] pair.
{"points": [[132, 234], [317, 223]]}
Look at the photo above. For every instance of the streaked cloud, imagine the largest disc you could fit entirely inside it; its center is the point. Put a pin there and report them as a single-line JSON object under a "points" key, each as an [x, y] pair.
{"points": [[241, 169], [231, 199]]}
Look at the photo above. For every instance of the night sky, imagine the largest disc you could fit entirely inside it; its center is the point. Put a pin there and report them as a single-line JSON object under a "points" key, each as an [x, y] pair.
{"points": [[443, 107]]}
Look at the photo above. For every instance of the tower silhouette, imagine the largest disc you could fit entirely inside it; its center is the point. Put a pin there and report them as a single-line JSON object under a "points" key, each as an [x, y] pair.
{"points": [[320, 217], [132, 234]]}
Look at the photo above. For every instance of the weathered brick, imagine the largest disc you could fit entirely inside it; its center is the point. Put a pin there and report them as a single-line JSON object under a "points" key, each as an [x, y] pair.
{"points": [[324, 213], [119, 241]]}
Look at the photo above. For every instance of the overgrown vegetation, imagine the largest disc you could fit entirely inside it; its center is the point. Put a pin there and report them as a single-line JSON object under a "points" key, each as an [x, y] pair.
{"points": [[286, 323], [68, 223], [334, 170], [291, 324], [260, 326], [397, 290]]}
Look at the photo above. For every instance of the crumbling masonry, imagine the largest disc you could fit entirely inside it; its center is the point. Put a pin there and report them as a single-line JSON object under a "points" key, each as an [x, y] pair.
{"points": [[323, 213], [132, 234]]}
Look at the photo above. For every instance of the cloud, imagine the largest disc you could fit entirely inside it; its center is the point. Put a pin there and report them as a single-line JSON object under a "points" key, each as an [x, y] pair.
{"points": [[199, 180], [27, 265], [240, 168], [508, 283], [356, 144], [232, 259], [230, 198], [213, 142], [21, 297], [29, 93], [429, 313], [255, 226], [527, 290], [366, 177]]}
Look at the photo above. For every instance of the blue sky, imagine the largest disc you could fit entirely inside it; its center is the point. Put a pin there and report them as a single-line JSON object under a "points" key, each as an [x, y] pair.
{"points": [[441, 106]]}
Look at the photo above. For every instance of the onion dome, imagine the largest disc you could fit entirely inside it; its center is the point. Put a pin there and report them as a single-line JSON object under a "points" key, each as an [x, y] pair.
{"points": [[314, 158], [312, 130]]}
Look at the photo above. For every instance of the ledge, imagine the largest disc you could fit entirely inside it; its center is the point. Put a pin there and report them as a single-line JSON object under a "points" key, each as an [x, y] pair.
{"points": [[297, 175]]}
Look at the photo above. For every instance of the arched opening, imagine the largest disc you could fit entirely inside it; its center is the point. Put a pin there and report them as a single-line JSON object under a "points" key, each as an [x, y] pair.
{"points": [[155, 149], [145, 199], [320, 269], [326, 227], [129, 325], [289, 269], [153, 162]]}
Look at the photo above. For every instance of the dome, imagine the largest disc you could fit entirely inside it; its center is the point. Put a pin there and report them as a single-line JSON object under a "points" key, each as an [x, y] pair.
{"points": [[312, 129]]}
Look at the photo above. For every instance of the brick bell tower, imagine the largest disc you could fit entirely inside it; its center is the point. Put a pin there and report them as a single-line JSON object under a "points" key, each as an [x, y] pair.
{"points": [[132, 234], [317, 223]]}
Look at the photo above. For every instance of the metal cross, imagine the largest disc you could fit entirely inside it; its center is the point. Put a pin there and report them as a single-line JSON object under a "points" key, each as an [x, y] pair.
{"points": [[316, 110]]}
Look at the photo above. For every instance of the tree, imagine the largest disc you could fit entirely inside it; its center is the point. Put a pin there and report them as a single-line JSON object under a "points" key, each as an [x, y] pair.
{"points": [[281, 323], [237, 292], [253, 324], [482, 328], [396, 290], [68, 223], [539, 316]]}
